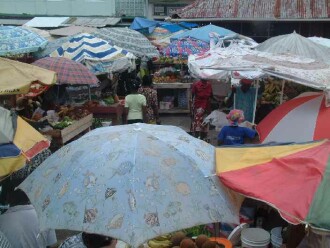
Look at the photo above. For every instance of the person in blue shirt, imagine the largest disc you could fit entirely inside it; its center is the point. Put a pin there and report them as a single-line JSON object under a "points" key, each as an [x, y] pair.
{"points": [[235, 134]]}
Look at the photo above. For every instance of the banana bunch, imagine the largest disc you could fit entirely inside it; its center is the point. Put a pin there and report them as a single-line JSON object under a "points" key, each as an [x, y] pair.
{"points": [[271, 92], [160, 242]]}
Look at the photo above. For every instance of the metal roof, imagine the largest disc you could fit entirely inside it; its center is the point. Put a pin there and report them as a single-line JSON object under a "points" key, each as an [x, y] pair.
{"points": [[94, 21], [14, 22], [72, 30], [47, 22], [257, 9]]}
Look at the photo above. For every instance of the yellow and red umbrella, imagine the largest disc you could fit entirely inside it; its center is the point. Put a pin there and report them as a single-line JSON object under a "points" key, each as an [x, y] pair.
{"points": [[26, 144], [17, 77], [293, 178]]}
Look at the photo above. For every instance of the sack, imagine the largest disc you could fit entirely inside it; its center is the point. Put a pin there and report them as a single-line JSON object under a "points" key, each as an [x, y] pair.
{"points": [[8, 125]]}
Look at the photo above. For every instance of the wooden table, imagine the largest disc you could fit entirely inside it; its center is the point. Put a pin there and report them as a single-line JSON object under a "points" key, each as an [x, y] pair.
{"points": [[113, 112]]}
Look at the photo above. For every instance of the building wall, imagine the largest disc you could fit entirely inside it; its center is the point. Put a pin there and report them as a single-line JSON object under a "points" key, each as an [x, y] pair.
{"points": [[59, 7], [160, 9]]}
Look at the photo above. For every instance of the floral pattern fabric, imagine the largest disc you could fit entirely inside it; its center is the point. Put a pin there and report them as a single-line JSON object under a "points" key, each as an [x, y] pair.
{"points": [[152, 102], [18, 40], [131, 182]]}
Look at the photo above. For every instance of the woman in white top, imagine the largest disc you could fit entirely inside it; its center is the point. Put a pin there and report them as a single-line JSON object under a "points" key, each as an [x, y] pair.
{"points": [[135, 105]]}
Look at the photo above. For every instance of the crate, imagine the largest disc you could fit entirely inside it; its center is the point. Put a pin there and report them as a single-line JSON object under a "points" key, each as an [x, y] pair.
{"points": [[76, 128]]}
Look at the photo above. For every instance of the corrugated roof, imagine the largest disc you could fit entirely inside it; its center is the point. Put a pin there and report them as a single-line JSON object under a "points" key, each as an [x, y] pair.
{"points": [[14, 22], [95, 21], [71, 30], [47, 22], [257, 9]]}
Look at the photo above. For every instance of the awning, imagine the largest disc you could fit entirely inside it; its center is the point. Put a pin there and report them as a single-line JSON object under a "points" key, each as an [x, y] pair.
{"points": [[47, 22], [95, 22]]}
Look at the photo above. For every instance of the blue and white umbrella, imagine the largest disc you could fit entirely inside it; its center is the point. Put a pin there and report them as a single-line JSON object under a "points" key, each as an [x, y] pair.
{"points": [[97, 54], [18, 40], [131, 182]]}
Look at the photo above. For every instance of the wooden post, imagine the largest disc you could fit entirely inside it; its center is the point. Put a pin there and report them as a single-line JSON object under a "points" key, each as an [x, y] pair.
{"points": [[282, 91]]}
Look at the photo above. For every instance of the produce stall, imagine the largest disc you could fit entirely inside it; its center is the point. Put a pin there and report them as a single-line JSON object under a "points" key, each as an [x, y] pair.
{"points": [[173, 84], [63, 124], [114, 111]]}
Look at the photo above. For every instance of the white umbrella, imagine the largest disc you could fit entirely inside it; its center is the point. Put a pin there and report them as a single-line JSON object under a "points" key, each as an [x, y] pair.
{"points": [[131, 182]]}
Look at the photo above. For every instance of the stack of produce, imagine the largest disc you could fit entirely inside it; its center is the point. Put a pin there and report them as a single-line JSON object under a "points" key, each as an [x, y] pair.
{"points": [[167, 75], [67, 115], [169, 60], [272, 93], [180, 240]]}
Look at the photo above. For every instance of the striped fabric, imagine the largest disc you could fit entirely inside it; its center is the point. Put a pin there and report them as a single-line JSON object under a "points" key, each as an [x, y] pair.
{"points": [[97, 54], [4, 243], [68, 71], [301, 119]]}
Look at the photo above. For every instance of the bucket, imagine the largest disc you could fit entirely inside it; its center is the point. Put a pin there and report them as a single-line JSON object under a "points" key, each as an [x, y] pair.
{"points": [[255, 238], [276, 237]]}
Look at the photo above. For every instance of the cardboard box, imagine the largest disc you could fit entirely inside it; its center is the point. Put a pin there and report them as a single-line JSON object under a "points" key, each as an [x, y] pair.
{"points": [[166, 105]]}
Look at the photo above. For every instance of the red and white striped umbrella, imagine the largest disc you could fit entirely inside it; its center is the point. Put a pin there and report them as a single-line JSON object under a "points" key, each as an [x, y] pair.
{"points": [[301, 119]]}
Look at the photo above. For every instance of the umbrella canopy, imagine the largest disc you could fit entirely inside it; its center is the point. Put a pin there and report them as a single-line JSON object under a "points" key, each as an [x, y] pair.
{"points": [[185, 47], [296, 44], [301, 119], [320, 41], [292, 178], [202, 33], [26, 143], [128, 39], [68, 71], [17, 77], [160, 37], [131, 182], [252, 64], [18, 40], [51, 47], [96, 54], [41, 32]]}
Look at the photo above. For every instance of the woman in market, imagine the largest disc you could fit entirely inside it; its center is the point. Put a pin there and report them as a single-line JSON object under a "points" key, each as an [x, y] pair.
{"points": [[234, 134], [135, 105], [201, 94], [152, 116]]}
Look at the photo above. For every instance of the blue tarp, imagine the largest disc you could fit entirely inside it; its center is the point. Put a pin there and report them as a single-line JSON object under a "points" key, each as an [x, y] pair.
{"points": [[9, 150], [142, 24], [202, 33]]}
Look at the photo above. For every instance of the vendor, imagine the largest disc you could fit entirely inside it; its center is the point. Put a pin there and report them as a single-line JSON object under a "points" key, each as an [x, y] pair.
{"points": [[235, 134]]}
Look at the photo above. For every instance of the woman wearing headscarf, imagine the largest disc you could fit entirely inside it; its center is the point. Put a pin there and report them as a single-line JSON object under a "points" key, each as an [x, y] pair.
{"points": [[135, 105], [234, 134]]}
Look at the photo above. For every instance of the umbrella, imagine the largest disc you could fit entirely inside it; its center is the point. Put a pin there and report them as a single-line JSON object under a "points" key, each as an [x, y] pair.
{"points": [[301, 119], [96, 54], [202, 33], [68, 71], [185, 47], [18, 40], [17, 77], [321, 41], [219, 63], [25, 143], [131, 182], [51, 47], [160, 37], [128, 39], [41, 32], [293, 178], [295, 44]]}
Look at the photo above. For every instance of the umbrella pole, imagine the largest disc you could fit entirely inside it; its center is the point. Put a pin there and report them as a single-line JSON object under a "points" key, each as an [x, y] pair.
{"points": [[255, 102], [282, 91]]}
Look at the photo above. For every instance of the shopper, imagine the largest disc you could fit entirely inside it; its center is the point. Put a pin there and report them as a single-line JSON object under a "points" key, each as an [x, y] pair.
{"points": [[152, 116], [135, 105]]}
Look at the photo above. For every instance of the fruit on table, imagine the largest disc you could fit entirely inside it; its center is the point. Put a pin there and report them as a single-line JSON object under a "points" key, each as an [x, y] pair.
{"points": [[177, 238], [200, 240], [159, 243], [187, 243]]}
